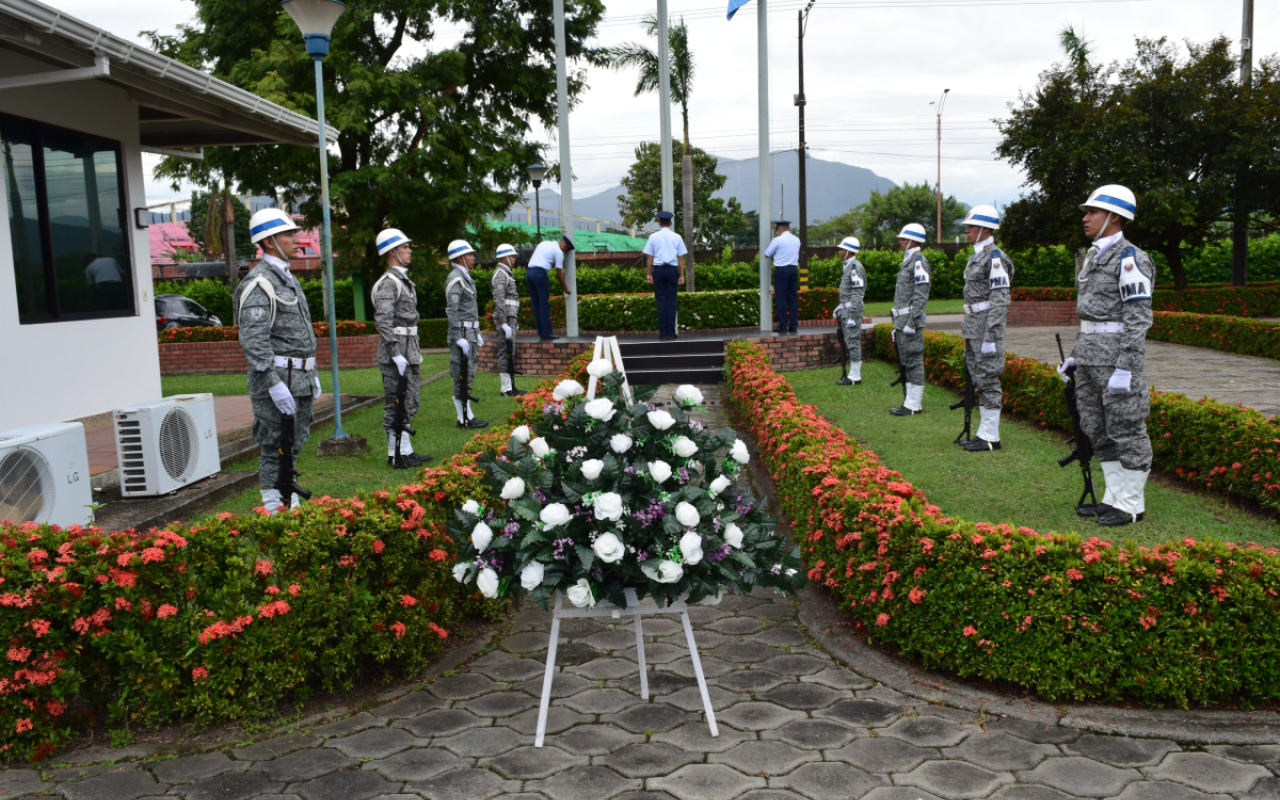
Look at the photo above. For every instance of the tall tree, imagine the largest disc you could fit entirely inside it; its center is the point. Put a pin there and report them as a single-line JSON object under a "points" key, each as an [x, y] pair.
{"points": [[643, 182], [206, 228], [884, 215], [831, 231], [433, 133], [681, 69], [1176, 129]]}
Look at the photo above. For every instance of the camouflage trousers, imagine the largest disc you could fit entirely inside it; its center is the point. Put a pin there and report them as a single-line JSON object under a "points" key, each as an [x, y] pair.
{"points": [[455, 364], [391, 377], [985, 370], [852, 334], [504, 361], [266, 431], [1116, 424], [911, 353]]}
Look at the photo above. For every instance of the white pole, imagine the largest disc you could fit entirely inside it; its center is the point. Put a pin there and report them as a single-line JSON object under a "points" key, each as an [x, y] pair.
{"points": [[566, 174], [664, 100], [765, 204]]}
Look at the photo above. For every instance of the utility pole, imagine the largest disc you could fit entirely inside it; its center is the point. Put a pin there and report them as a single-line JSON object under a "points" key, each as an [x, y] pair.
{"points": [[802, 18], [942, 101], [1240, 230]]}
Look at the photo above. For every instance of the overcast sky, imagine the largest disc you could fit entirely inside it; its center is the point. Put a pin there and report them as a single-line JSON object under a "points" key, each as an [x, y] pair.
{"points": [[872, 67]]}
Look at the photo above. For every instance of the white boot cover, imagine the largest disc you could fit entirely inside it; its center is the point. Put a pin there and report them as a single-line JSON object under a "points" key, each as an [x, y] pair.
{"points": [[406, 446], [294, 501], [855, 370], [915, 396], [1131, 496], [457, 404], [1111, 471], [989, 428], [505, 379], [271, 500], [391, 444]]}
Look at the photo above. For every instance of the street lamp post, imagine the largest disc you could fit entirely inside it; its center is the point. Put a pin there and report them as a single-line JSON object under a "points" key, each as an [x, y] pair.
{"points": [[316, 18], [942, 101], [536, 173]]}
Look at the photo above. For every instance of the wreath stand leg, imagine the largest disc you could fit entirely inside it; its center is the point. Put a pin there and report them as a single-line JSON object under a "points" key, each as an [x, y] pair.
{"points": [[637, 610]]}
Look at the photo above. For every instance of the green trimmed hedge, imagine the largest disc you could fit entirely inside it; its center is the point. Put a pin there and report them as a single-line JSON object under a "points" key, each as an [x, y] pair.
{"points": [[1228, 448], [1186, 622], [231, 333], [1246, 337], [1261, 300], [215, 295]]}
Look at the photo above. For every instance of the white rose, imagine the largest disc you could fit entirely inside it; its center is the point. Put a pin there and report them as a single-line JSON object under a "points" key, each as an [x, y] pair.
{"points": [[580, 594], [471, 507], [684, 447], [609, 506], [599, 368], [733, 535], [691, 548], [713, 599], [555, 514], [513, 488], [620, 443], [601, 409], [719, 484], [567, 389], [739, 451], [487, 583], [521, 434], [661, 419], [460, 571], [540, 447], [481, 536], [665, 572], [659, 470], [687, 394], [591, 468], [609, 548], [687, 515], [531, 575]]}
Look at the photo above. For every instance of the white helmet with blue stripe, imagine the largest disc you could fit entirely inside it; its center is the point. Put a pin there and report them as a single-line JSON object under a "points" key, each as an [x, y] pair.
{"points": [[913, 231], [505, 250], [1114, 198], [983, 217], [390, 239], [851, 244], [459, 248], [269, 222]]}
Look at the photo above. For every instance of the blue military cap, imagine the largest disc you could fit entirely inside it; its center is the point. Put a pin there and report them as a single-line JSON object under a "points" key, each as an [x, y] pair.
{"points": [[782, 222], [666, 216]]}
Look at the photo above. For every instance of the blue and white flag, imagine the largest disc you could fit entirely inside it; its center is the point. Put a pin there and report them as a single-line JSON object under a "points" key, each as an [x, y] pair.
{"points": [[734, 5]]}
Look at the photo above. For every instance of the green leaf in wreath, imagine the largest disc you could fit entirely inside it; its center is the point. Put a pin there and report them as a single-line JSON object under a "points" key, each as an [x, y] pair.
{"points": [[586, 555]]}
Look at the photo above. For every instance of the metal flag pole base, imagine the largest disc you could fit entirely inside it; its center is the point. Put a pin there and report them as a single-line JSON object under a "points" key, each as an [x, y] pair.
{"points": [[633, 609]]}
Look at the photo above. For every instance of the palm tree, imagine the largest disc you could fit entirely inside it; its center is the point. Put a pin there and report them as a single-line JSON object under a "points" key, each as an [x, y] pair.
{"points": [[638, 55]]}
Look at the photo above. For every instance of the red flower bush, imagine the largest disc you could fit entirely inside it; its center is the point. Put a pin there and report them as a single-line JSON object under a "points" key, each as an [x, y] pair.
{"points": [[1186, 622], [230, 333], [1247, 337]]}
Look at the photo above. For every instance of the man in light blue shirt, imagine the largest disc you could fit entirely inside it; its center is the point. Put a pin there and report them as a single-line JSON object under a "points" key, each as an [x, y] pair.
{"points": [[785, 252], [546, 257], [665, 251]]}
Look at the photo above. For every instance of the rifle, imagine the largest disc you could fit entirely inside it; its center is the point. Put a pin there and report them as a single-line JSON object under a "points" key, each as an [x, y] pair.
{"points": [[399, 422], [1083, 451], [966, 402], [287, 477], [511, 358], [843, 359], [462, 387], [902, 369]]}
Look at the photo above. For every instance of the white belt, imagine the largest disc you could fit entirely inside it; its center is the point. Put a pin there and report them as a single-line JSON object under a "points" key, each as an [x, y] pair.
{"points": [[976, 307], [475, 325], [405, 331], [1101, 327], [513, 303], [897, 312], [296, 363]]}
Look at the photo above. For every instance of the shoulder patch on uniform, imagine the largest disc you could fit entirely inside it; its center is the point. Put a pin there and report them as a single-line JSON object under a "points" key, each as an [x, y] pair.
{"points": [[999, 277], [855, 279], [922, 274], [256, 313], [1133, 283]]}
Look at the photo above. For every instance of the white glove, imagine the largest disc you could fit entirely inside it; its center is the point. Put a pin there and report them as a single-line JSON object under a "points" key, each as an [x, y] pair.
{"points": [[835, 313], [908, 330], [851, 322], [507, 330], [401, 363], [1064, 366], [479, 340], [283, 398], [319, 388], [988, 347], [1120, 381], [464, 346]]}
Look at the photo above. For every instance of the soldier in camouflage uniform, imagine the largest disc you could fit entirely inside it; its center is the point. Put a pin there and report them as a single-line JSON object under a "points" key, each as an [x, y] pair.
{"points": [[280, 346], [986, 305], [853, 289], [395, 311], [910, 295], [464, 329], [1114, 304], [506, 315]]}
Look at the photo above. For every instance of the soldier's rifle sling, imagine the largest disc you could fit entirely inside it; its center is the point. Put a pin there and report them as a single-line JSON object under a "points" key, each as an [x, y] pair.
{"points": [[1083, 451], [966, 402]]}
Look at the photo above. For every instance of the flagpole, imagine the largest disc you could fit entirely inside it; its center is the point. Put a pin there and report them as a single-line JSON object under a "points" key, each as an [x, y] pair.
{"points": [[764, 204], [664, 101]]}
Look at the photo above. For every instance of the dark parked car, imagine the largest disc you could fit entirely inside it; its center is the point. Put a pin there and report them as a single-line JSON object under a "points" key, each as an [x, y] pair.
{"points": [[176, 311]]}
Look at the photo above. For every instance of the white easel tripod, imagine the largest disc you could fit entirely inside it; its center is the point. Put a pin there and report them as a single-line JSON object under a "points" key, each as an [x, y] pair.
{"points": [[607, 347]]}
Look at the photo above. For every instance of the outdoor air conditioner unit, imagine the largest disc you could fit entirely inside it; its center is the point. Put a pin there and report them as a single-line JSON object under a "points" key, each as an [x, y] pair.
{"points": [[44, 475], [167, 444]]}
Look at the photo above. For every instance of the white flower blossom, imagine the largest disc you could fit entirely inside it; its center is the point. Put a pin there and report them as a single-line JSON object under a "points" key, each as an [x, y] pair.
{"points": [[609, 506], [720, 484], [599, 368], [460, 572], [540, 447], [688, 395], [601, 409], [471, 507], [591, 468], [661, 419], [481, 536], [531, 575], [580, 594], [620, 443], [513, 488], [487, 583], [665, 572], [683, 446], [567, 389], [733, 535], [691, 548], [739, 451], [687, 515], [659, 471], [608, 548], [521, 434], [555, 515]]}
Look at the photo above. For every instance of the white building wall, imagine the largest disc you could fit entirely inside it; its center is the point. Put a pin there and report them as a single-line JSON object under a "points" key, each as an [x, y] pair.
{"points": [[60, 371]]}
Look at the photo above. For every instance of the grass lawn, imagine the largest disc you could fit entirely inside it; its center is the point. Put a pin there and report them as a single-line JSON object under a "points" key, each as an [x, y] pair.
{"points": [[354, 381], [1021, 484], [881, 309], [437, 436]]}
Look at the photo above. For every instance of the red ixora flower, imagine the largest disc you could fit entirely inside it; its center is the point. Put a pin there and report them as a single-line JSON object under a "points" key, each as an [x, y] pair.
{"points": [[1074, 574], [969, 630], [24, 725], [199, 673], [408, 601], [263, 567], [399, 629], [167, 610], [40, 626], [882, 620], [378, 546]]}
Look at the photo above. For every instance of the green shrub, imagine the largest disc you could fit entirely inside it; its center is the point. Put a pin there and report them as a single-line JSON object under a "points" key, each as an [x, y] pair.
{"points": [[214, 295], [230, 333], [1233, 301], [1229, 334], [1185, 623]]}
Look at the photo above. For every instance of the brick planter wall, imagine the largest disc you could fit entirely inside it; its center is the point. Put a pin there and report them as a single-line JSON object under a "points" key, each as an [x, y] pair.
{"points": [[1042, 312], [533, 359], [196, 358], [807, 351]]}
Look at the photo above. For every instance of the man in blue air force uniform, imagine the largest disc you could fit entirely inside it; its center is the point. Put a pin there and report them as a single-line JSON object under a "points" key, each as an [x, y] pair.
{"points": [[664, 257], [785, 252]]}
